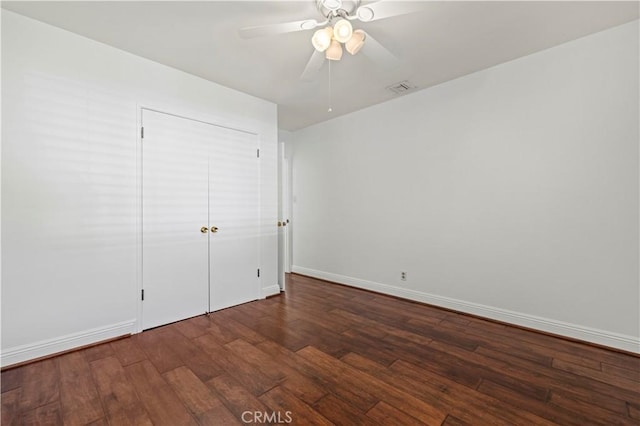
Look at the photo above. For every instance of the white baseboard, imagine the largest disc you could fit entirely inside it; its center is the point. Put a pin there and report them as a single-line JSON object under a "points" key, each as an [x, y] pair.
{"points": [[601, 337], [36, 350], [270, 291]]}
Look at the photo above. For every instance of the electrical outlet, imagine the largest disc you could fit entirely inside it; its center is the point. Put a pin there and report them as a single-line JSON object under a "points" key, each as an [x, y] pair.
{"points": [[403, 276]]}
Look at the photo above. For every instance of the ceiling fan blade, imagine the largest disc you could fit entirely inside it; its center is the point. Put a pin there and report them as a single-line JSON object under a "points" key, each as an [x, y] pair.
{"points": [[287, 27], [313, 66], [387, 9], [378, 53]]}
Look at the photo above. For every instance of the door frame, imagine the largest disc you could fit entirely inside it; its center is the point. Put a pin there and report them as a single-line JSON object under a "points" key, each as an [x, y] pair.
{"points": [[188, 115]]}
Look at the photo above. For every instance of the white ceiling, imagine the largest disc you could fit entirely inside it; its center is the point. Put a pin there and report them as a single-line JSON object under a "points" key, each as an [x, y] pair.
{"points": [[447, 39]]}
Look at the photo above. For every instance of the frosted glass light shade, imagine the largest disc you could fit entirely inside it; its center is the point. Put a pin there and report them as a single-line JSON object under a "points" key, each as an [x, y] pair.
{"points": [[356, 42], [342, 30], [321, 39], [334, 52]]}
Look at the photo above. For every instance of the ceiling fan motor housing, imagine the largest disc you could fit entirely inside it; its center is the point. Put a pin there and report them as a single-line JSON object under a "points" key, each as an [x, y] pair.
{"points": [[332, 8]]}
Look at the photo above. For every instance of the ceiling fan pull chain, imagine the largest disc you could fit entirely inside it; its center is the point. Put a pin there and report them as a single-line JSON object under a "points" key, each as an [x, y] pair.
{"points": [[330, 92]]}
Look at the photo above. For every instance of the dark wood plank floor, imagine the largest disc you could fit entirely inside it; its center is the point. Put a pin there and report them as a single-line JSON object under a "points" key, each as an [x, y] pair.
{"points": [[327, 354]]}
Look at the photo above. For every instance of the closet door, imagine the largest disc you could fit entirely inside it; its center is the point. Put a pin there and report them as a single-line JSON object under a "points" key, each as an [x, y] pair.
{"points": [[234, 202], [175, 231]]}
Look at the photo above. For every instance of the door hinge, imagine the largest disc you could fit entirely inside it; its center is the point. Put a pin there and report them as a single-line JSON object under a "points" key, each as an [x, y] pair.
{"points": [[141, 132], [142, 295], [258, 153], [258, 272]]}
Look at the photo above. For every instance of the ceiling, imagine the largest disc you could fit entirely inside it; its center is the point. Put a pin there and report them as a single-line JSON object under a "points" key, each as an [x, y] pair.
{"points": [[445, 40]]}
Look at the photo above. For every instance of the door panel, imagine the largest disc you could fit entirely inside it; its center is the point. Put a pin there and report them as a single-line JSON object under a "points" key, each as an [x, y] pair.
{"points": [[234, 202], [175, 206]]}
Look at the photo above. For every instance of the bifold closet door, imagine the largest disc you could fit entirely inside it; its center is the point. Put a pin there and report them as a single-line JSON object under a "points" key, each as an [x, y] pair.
{"points": [[175, 229], [234, 202]]}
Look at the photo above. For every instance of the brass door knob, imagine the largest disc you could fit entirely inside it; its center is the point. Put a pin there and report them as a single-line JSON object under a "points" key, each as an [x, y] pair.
{"points": [[214, 229], [204, 229], [279, 224]]}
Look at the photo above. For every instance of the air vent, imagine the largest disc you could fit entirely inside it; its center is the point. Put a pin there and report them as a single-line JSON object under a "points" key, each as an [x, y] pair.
{"points": [[402, 87]]}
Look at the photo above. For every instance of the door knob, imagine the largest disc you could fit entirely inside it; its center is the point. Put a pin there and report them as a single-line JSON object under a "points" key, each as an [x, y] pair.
{"points": [[204, 229], [279, 224], [214, 229]]}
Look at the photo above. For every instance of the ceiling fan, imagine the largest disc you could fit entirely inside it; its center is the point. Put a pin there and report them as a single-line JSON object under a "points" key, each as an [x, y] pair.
{"points": [[338, 31]]}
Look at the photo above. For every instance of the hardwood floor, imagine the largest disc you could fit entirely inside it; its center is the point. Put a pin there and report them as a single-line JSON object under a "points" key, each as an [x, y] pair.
{"points": [[328, 354]]}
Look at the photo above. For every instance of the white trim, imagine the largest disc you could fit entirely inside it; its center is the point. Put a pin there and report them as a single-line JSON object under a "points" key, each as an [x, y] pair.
{"points": [[588, 334], [270, 291], [64, 343], [138, 294]]}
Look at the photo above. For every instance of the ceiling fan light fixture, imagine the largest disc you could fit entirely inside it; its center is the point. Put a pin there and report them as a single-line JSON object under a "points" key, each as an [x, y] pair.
{"points": [[321, 39], [365, 14], [342, 31], [355, 43], [334, 52], [331, 4]]}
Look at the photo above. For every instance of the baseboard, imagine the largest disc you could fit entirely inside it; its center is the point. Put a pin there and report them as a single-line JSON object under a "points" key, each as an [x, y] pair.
{"points": [[547, 325], [43, 348], [270, 291]]}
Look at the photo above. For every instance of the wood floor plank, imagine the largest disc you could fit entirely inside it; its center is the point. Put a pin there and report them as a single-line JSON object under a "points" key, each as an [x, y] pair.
{"points": [[633, 409], [203, 404], [285, 406], [363, 342], [520, 382], [454, 421], [507, 365], [330, 379], [128, 351], [621, 382], [534, 406], [12, 378], [384, 414], [291, 380], [350, 318], [162, 404], [235, 396], [10, 413], [379, 389], [613, 370], [45, 415], [98, 352], [596, 414], [158, 350], [438, 361], [100, 422], [79, 397], [40, 384], [258, 359], [193, 327], [339, 412], [254, 380], [118, 394], [224, 319], [192, 356], [481, 406], [442, 393]]}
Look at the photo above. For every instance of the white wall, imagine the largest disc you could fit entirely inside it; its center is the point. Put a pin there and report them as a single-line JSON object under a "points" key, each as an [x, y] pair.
{"points": [[69, 185], [511, 193]]}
